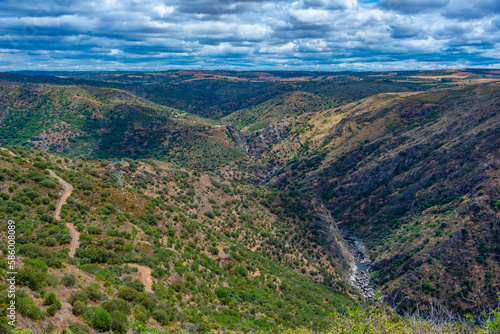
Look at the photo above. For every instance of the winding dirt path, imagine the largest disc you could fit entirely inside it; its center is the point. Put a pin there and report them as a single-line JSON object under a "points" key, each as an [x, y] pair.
{"points": [[75, 236], [144, 275]]}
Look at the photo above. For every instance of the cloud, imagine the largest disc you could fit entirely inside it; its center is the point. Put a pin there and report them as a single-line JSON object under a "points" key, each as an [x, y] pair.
{"points": [[413, 6], [245, 34]]}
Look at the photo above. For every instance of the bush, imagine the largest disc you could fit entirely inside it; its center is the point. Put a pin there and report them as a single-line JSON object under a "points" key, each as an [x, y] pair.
{"points": [[26, 306], [120, 305], [40, 253], [31, 277], [140, 313], [35, 263], [127, 293], [96, 255], [137, 285], [51, 310], [51, 299], [98, 317], [77, 328], [94, 292], [78, 308], [78, 296], [68, 280], [48, 183], [163, 316], [86, 185], [119, 322]]}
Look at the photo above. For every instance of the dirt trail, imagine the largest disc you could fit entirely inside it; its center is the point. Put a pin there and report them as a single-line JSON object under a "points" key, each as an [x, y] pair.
{"points": [[75, 236], [145, 276]]}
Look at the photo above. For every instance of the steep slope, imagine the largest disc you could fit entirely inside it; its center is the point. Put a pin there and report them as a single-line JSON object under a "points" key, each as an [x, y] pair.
{"points": [[416, 176], [283, 107], [103, 122], [170, 249]]}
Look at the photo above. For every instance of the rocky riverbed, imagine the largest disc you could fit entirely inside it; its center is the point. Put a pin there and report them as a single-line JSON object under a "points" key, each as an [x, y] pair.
{"points": [[361, 267]]}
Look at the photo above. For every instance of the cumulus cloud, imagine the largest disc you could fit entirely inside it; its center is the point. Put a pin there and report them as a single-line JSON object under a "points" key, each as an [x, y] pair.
{"points": [[245, 34], [413, 6]]}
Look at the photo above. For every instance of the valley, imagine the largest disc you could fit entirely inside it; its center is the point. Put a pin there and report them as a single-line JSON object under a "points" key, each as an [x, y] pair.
{"points": [[226, 201]]}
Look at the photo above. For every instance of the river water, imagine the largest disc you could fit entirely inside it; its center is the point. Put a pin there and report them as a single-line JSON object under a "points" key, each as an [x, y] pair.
{"points": [[360, 269]]}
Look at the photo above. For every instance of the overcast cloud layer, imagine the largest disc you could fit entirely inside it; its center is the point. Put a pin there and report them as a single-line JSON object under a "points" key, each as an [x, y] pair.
{"points": [[223, 34]]}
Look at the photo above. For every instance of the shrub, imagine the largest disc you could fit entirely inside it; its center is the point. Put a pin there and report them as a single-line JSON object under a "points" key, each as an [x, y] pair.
{"points": [[35, 263], [51, 299], [94, 292], [78, 308], [96, 255], [31, 277], [81, 296], [140, 313], [127, 293], [86, 185], [38, 252], [163, 316], [137, 285], [119, 322], [48, 183], [77, 328], [26, 306], [98, 317], [120, 305], [51, 310], [68, 280]]}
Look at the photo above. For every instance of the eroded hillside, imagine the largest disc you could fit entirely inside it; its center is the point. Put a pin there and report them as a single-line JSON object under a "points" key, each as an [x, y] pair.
{"points": [[416, 176]]}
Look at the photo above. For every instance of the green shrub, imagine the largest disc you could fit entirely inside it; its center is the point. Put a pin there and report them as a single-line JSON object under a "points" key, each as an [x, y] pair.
{"points": [[35, 263], [48, 183], [119, 322], [127, 293], [26, 306], [98, 317], [120, 305], [86, 185], [95, 255], [68, 280], [78, 308], [77, 328], [163, 316], [81, 296], [51, 299], [140, 313], [31, 277], [51, 310], [137, 285], [34, 251], [94, 292]]}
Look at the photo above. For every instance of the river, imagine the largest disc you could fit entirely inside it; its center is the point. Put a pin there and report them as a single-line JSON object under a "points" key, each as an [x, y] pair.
{"points": [[360, 269]]}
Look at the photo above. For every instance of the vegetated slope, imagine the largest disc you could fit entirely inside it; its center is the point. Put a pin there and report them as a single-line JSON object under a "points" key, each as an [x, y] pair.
{"points": [[223, 255], [105, 122], [280, 108], [416, 176], [215, 94]]}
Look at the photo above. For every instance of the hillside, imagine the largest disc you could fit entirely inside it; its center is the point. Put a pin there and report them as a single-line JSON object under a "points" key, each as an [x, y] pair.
{"points": [[416, 177], [222, 255], [215, 94], [203, 201], [104, 122]]}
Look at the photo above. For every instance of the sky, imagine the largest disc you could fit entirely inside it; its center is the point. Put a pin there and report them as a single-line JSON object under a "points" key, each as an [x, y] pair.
{"points": [[327, 35]]}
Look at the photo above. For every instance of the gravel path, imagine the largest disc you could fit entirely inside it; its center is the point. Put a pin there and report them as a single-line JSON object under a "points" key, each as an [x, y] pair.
{"points": [[75, 236]]}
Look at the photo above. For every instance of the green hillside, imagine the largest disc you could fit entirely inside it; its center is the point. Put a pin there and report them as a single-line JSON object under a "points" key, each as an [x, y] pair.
{"points": [[416, 176]]}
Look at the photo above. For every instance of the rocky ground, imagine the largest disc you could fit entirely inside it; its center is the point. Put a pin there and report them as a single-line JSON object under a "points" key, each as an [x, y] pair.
{"points": [[359, 275]]}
